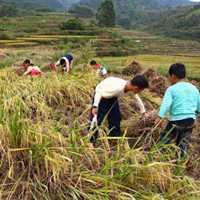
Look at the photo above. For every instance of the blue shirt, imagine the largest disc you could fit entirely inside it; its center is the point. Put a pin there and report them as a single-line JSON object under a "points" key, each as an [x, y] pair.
{"points": [[69, 57], [181, 101]]}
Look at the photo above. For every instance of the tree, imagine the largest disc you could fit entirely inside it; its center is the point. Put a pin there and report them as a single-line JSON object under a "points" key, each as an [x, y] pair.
{"points": [[106, 14], [72, 24], [8, 11]]}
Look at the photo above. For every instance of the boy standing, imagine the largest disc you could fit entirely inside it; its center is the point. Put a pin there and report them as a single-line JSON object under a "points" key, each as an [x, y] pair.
{"points": [[181, 102], [106, 104]]}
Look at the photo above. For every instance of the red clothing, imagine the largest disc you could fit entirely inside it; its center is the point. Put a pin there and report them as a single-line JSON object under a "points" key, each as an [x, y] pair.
{"points": [[33, 71], [52, 67], [97, 66]]}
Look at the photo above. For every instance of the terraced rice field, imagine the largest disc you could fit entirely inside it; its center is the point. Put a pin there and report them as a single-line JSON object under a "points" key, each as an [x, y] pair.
{"points": [[41, 121], [43, 39], [159, 62]]}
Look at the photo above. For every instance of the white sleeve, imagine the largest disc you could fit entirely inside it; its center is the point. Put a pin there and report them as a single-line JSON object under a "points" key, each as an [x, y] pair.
{"points": [[98, 94], [140, 104], [28, 70], [71, 64], [104, 71], [58, 62], [67, 65], [97, 99], [108, 88]]}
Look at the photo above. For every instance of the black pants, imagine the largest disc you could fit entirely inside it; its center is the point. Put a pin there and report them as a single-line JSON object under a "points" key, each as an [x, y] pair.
{"points": [[180, 131], [109, 108]]}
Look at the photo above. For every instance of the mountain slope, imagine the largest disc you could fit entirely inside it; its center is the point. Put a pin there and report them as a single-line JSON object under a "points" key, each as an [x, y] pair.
{"points": [[137, 12], [130, 5], [139, 3], [32, 4], [67, 3], [180, 22], [174, 2]]}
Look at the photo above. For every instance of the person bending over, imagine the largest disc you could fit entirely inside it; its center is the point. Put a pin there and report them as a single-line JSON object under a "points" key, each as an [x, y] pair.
{"points": [[66, 62], [105, 102]]}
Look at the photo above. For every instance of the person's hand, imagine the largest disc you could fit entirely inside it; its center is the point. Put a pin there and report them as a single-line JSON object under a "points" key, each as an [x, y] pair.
{"points": [[159, 122], [94, 111], [196, 123], [146, 115]]}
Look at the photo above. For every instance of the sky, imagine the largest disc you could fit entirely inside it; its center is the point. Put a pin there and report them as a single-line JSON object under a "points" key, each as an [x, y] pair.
{"points": [[195, 0]]}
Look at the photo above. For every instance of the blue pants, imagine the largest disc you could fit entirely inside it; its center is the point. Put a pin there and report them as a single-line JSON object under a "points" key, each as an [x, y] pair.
{"points": [[109, 108], [180, 131]]}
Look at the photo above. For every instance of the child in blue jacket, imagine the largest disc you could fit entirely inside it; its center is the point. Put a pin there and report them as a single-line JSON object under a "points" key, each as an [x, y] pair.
{"points": [[182, 103]]}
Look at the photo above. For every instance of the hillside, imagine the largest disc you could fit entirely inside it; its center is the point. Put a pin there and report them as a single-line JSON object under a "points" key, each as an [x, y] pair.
{"points": [[180, 22], [138, 12], [139, 3], [174, 2], [44, 148], [59, 4], [45, 154], [176, 18], [51, 4]]}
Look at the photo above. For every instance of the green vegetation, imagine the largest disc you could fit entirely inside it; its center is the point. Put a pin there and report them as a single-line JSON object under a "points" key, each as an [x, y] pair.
{"points": [[146, 14], [24, 5], [24, 26], [160, 63], [44, 154], [106, 14], [180, 23], [82, 11], [72, 24], [160, 16], [8, 11]]}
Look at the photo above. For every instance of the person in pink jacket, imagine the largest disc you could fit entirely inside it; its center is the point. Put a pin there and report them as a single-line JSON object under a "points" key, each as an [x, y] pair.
{"points": [[33, 71]]}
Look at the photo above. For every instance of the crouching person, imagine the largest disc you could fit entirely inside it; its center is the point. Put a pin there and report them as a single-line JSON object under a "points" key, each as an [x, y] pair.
{"points": [[181, 102], [23, 67], [105, 103], [66, 63], [33, 71], [101, 70]]}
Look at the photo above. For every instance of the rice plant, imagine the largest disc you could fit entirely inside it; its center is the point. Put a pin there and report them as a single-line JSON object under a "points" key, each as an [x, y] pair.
{"points": [[44, 155]]}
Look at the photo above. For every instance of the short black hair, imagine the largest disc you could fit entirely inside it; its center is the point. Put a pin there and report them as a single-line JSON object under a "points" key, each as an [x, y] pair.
{"points": [[93, 62], [62, 61], [27, 61], [177, 69], [140, 81]]}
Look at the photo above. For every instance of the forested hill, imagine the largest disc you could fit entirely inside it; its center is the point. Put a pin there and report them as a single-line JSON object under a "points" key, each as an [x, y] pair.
{"points": [[138, 12], [36, 4], [120, 4], [180, 22], [133, 4]]}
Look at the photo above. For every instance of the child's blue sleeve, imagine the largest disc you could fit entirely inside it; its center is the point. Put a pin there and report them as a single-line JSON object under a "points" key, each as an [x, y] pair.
{"points": [[198, 108], [166, 103]]}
